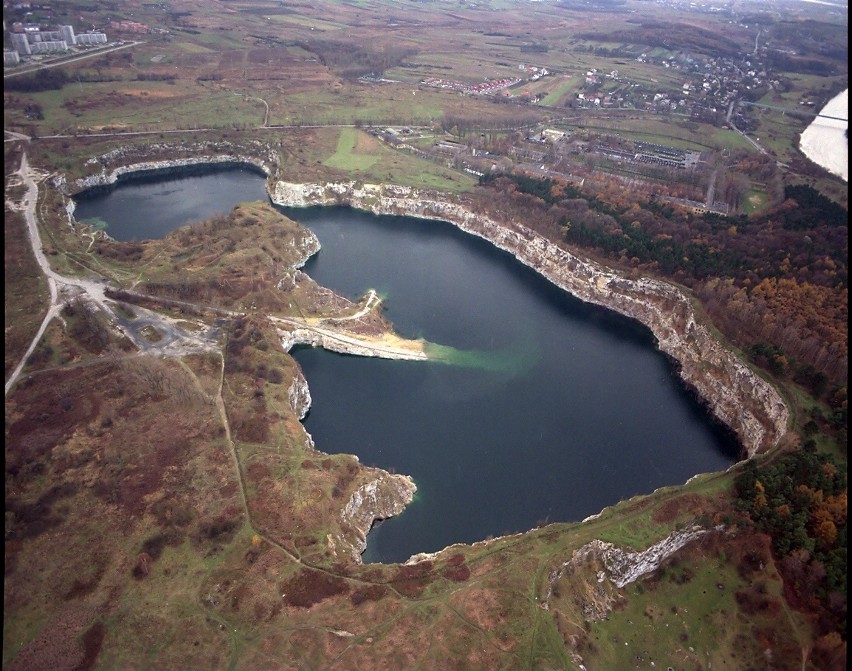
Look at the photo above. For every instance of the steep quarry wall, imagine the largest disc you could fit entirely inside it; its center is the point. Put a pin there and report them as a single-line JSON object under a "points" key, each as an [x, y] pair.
{"points": [[383, 496], [107, 178], [735, 395]]}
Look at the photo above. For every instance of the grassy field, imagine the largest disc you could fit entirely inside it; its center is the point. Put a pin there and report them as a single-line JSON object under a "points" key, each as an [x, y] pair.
{"points": [[678, 133], [558, 95], [756, 200]]}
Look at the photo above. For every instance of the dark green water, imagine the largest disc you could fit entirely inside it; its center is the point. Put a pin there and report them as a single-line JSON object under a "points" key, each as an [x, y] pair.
{"points": [[570, 409], [150, 207], [559, 409]]}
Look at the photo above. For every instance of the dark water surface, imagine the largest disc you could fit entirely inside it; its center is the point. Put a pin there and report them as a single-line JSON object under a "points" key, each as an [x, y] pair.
{"points": [[560, 410], [567, 408], [150, 207]]}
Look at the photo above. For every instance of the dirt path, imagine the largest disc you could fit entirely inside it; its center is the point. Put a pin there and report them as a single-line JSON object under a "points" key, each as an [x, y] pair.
{"points": [[174, 341], [54, 281]]}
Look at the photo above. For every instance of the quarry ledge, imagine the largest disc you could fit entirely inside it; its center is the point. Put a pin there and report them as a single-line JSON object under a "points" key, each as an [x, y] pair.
{"points": [[106, 180], [735, 395]]}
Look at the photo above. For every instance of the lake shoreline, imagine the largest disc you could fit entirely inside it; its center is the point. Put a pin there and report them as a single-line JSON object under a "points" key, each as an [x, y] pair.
{"points": [[735, 395]]}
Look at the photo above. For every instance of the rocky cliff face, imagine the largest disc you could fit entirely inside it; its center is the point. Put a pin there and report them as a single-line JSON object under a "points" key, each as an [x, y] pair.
{"points": [[735, 395], [299, 395], [614, 568], [383, 495], [109, 177], [624, 567]]}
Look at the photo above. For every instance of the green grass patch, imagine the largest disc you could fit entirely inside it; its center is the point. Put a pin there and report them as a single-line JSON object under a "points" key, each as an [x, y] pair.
{"points": [[144, 105], [723, 138], [672, 132], [193, 47], [681, 622], [756, 200], [559, 95], [347, 157], [390, 166]]}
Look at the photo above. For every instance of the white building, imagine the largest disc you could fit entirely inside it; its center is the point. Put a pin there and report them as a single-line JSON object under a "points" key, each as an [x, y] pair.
{"points": [[35, 41], [11, 57], [20, 43], [91, 38], [50, 47], [68, 34], [46, 36]]}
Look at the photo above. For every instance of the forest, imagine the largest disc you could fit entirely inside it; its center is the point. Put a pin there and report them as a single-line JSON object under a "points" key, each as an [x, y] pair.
{"points": [[778, 280], [799, 500]]}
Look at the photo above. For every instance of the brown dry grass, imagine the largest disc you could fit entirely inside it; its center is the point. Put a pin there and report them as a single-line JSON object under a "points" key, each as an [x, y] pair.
{"points": [[24, 289]]}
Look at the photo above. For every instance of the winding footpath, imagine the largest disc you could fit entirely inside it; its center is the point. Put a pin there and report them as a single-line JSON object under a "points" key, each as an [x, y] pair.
{"points": [[179, 343]]}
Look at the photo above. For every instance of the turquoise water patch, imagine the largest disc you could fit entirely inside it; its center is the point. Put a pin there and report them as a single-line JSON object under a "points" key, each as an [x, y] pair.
{"points": [[95, 222], [514, 360]]}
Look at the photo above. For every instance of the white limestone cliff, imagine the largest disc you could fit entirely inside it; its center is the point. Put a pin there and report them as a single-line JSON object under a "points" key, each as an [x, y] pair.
{"points": [[299, 395], [383, 496], [108, 177]]}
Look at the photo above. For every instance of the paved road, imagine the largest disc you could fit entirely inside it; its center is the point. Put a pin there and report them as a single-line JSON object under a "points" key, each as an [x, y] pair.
{"points": [[11, 136]]}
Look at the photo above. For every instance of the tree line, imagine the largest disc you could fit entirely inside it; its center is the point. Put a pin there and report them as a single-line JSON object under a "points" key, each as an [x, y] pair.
{"points": [[780, 278]]}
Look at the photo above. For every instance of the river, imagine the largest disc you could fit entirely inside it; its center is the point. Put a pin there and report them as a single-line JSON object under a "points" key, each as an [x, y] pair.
{"points": [[825, 142], [555, 410]]}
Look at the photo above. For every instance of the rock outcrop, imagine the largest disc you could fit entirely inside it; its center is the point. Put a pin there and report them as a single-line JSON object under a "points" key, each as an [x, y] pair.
{"points": [[343, 343], [299, 395], [110, 177], [614, 568], [624, 567], [383, 496], [735, 394]]}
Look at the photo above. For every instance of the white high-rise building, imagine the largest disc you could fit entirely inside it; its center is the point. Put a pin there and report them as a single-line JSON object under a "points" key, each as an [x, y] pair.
{"points": [[21, 44], [68, 34]]}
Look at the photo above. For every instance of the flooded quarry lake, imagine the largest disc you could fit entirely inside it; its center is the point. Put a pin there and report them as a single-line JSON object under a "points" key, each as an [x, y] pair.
{"points": [[553, 410]]}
